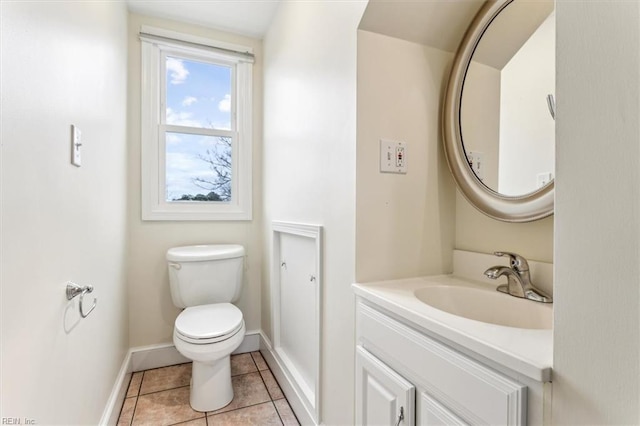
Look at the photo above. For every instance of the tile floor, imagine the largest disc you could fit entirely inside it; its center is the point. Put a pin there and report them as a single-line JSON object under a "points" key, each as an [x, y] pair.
{"points": [[161, 397]]}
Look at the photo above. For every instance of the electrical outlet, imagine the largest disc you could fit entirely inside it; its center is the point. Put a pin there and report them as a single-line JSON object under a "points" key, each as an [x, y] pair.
{"points": [[476, 161], [393, 156], [544, 178], [400, 157]]}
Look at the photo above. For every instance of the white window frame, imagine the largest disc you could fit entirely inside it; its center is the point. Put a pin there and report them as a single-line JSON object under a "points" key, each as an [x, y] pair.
{"points": [[156, 45]]}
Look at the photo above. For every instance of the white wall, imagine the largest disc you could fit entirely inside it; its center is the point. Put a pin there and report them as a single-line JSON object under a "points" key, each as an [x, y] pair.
{"points": [[63, 63], [151, 309], [597, 289], [309, 166], [527, 129], [404, 223]]}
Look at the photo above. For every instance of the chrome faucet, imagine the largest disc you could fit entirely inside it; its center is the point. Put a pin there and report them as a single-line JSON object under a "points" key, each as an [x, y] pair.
{"points": [[518, 278]]}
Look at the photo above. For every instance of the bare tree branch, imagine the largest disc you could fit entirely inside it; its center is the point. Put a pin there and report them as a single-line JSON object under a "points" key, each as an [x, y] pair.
{"points": [[220, 163]]}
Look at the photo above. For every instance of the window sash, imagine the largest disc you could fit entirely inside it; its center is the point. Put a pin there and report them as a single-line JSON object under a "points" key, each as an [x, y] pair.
{"points": [[171, 52], [162, 163], [154, 130]]}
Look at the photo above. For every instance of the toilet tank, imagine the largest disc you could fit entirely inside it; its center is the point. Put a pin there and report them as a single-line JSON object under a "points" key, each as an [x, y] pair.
{"points": [[204, 274]]}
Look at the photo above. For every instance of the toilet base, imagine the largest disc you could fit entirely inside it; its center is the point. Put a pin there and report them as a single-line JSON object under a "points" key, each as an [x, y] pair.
{"points": [[211, 385]]}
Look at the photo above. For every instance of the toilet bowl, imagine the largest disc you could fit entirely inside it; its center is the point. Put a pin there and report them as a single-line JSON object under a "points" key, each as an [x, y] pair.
{"points": [[204, 280]]}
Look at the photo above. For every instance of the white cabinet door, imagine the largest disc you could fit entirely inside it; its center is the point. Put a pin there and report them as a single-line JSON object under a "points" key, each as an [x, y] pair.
{"points": [[432, 413], [383, 397]]}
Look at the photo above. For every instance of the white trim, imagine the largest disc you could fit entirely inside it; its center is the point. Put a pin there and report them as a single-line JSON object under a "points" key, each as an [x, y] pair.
{"points": [[111, 411], [155, 356], [166, 354], [295, 400], [251, 343], [189, 38], [311, 397]]}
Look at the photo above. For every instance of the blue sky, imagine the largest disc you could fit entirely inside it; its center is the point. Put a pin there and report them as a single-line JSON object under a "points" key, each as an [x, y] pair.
{"points": [[198, 95]]}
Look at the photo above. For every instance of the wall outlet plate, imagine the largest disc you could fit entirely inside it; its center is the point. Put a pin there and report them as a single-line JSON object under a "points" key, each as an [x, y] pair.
{"points": [[393, 156]]}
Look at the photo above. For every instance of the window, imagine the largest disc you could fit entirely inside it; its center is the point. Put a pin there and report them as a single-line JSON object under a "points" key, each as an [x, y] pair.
{"points": [[196, 128]]}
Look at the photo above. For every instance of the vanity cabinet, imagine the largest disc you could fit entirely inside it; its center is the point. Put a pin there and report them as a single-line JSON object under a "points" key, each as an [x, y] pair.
{"points": [[402, 367]]}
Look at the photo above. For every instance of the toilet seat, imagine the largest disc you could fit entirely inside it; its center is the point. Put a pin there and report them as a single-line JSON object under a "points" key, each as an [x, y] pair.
{"points": [[207, 324]]}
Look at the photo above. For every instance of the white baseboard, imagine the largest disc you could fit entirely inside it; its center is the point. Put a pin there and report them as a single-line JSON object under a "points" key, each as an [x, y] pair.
{"points": [[118, 393], [155, 356], [251, 342], [165, 354], [305, 417]]}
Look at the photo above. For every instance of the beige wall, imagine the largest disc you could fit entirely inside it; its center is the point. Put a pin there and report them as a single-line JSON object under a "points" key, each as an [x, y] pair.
{"points": [[478, 232], [404, 222], [407, 225], [63, 63], [480, 118], [597, 290], [151, 310], [309, 167]]}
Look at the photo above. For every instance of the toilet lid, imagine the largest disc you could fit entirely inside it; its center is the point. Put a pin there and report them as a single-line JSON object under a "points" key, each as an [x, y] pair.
{"points": [[209, 321]]}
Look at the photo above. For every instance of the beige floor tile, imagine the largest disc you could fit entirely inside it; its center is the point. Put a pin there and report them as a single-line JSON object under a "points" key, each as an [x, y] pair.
{"points": [[272, 386], [242, 364], [196, 422], [165, 408], [134, 384], [126, 414], [248, 389], [259, 360], [286, 413], [258, 415], [165, 378]]}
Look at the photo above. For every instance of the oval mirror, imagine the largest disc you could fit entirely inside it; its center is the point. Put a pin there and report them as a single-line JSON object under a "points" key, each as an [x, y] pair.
{"points": [[499, 110]]}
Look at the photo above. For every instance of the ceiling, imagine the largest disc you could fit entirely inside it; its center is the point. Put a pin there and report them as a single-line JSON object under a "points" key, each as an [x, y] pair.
{"points": [[436, 23], [442, 23], [247, 17]]}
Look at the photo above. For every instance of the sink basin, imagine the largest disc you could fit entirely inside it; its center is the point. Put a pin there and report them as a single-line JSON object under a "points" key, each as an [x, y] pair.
{"points": [[488, 306]]}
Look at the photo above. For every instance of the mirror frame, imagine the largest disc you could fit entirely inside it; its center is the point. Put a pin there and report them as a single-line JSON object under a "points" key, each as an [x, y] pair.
{"points": [[526, 208]]}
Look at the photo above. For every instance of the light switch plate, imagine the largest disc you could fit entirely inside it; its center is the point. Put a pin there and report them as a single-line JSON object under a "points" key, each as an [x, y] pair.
{"points": [[76, 145]]}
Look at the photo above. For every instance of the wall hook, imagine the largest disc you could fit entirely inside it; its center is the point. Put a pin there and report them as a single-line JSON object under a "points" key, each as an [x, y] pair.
{"points": [[74, 289]]}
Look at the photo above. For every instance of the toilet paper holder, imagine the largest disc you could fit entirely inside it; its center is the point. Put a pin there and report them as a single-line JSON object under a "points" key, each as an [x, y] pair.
{"points": [[74, 289]]}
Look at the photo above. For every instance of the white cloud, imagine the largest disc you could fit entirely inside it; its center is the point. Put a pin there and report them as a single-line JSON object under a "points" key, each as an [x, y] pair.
{"points": [[177, 70], [172, 139], [182, 118], [225, 104], [182, 167], [189, 100]]}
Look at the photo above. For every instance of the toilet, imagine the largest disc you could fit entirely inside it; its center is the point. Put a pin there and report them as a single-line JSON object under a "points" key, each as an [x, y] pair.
{"points": [[205, 280]]}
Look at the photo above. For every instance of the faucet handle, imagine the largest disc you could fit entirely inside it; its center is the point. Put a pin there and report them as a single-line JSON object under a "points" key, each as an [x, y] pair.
{"points": [[518, 263]]}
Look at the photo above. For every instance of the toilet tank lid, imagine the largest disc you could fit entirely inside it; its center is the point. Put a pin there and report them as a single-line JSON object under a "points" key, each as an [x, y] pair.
{"points": [[205, 252]]}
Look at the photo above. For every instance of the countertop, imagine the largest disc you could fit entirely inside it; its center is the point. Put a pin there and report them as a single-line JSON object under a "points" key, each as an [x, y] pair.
{"points": [[526, 351]]}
